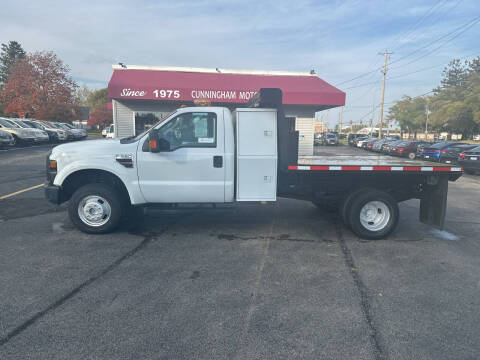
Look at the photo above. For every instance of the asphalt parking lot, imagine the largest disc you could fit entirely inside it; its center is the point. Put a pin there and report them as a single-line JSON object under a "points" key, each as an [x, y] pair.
{"points": [[269, 281]]}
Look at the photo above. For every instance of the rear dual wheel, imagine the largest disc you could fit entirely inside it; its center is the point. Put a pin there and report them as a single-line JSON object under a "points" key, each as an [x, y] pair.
{"points": [[370, 214]]}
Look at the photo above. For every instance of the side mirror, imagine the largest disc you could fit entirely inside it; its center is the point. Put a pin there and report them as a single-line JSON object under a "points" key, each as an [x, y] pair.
{"points": [[153, 141], [164, 145]]}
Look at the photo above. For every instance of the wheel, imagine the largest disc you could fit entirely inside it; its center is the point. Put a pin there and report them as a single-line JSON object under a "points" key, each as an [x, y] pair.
{"points": [[15, 141], [95, 209], [412, 156], [346, 203], [373, 215]]}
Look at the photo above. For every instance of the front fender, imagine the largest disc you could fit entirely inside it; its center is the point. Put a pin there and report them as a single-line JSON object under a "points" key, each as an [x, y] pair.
{"points": [[127, 175]]}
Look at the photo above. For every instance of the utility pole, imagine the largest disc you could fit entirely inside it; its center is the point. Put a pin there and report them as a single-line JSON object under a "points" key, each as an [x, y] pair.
{"points": [[426, 122], [341, 118], [380, 130]]}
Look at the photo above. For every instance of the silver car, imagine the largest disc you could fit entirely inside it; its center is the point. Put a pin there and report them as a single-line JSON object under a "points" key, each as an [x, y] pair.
{"points": [[20, 134], [40, 136], [6, 139]]}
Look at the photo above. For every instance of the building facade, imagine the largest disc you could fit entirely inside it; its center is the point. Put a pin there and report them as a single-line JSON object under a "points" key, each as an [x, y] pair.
{"points": [[143, 95]]}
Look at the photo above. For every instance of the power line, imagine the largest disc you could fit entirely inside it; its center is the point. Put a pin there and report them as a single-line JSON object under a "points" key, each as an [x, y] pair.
{"points": [[461, 29], [412, 30]]}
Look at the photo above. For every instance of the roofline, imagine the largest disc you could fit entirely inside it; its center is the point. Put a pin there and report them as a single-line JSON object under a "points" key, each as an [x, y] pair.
{"points": [[212, 70]]}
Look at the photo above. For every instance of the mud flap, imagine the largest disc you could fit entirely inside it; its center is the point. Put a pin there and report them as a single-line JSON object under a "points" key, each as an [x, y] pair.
{"points": [[433, 204]]}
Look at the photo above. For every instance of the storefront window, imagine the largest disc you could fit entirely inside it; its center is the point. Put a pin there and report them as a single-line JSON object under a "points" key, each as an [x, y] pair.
{"points": [[144, 120]]}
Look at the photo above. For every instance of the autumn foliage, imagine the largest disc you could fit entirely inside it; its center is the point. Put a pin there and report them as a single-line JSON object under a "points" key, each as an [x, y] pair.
{"points": [[100, 116], [39, 86]]}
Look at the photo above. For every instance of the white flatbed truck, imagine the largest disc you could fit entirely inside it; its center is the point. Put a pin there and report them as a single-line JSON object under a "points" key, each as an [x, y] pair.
{"points": [[211, 155]]}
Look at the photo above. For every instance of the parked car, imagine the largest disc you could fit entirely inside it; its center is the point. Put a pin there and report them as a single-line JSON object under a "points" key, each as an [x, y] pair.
{"points": [[352, 137], [6, 139], [452, 153], [55, 135], [21, 135], [370, 144], [105, 132], [56, 125], [434, 152], [385, 148], [391, 147], [470, 160], [362, 142], [329, 139], [41, 136], [317, 137], [377, 146], [78, 133], [407, 148], [111, 132]]}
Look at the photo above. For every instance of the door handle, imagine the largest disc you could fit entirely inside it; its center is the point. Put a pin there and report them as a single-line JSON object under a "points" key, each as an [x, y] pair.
{"points": [[218, 161]]}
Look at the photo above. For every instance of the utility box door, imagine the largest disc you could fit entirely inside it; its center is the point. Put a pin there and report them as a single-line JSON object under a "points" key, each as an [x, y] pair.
{"points": [[256, 132], [257, 179]]}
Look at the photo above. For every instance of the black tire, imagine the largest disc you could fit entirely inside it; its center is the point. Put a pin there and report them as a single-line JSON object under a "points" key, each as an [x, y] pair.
{"points": [[346, 204], [15, 140], [359, 201], [110, 195]]}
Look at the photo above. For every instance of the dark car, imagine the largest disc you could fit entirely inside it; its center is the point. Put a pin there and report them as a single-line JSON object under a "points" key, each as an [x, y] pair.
{"points": [[385, 148], [470, 160], [392, 147], [408, 148], [352, 137], [434, 152], [371, 143], [452, 153]]}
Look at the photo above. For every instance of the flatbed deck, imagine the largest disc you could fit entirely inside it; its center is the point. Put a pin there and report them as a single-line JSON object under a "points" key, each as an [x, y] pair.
{"points": [[368, 162]]}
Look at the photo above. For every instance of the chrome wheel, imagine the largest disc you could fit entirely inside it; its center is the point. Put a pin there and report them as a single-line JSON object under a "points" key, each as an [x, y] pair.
{"points": [[94, 211], [374, 215], [411, 156]]}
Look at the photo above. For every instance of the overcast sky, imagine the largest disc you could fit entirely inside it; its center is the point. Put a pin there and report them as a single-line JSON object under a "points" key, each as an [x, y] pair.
{"points": [[339, 39]]}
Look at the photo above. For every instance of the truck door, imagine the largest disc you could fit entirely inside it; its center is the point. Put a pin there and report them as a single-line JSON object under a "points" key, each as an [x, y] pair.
{"points": [[193, 170]]}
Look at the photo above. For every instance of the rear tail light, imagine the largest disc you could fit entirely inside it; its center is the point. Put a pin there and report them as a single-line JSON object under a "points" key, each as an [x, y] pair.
{"points": [[443, 151], [399, 149], [462, 156]]}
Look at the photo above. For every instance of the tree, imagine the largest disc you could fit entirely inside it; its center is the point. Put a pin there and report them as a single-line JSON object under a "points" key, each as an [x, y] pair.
{"points": [[455, 74], [100, 116], [410, 113], [10, 54], [97, 97], [39, 86], [82, 94]]}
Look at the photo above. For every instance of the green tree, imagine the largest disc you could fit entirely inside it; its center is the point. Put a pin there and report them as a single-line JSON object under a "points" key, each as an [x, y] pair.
{"points": [[97, 97], [455, 74], [9, 55], [410, 113]]}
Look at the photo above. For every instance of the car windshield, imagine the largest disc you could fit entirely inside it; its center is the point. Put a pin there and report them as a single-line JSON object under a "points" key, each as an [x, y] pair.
{"points": [[330, 135], [475, 149], [13, 125], [68, 125], [22, 124], [7, 124]]}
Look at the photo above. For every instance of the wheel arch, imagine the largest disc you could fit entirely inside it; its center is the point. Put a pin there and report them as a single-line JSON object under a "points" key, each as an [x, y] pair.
{"points": [[91, 176]]}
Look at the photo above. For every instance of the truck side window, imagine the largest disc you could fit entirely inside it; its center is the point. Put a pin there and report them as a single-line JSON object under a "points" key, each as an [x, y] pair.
{"points": [[196, 129]]}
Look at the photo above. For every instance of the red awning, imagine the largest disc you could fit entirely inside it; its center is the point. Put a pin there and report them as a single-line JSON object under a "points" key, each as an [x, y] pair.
{"points": [[220, 87]]}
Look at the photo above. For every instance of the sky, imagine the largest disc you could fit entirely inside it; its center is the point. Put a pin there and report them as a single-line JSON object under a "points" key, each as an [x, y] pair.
{"points": [[340, 40]]}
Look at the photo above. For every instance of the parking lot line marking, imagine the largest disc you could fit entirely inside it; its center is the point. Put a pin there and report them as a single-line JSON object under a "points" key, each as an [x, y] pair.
{"points": [[21, 191]]}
